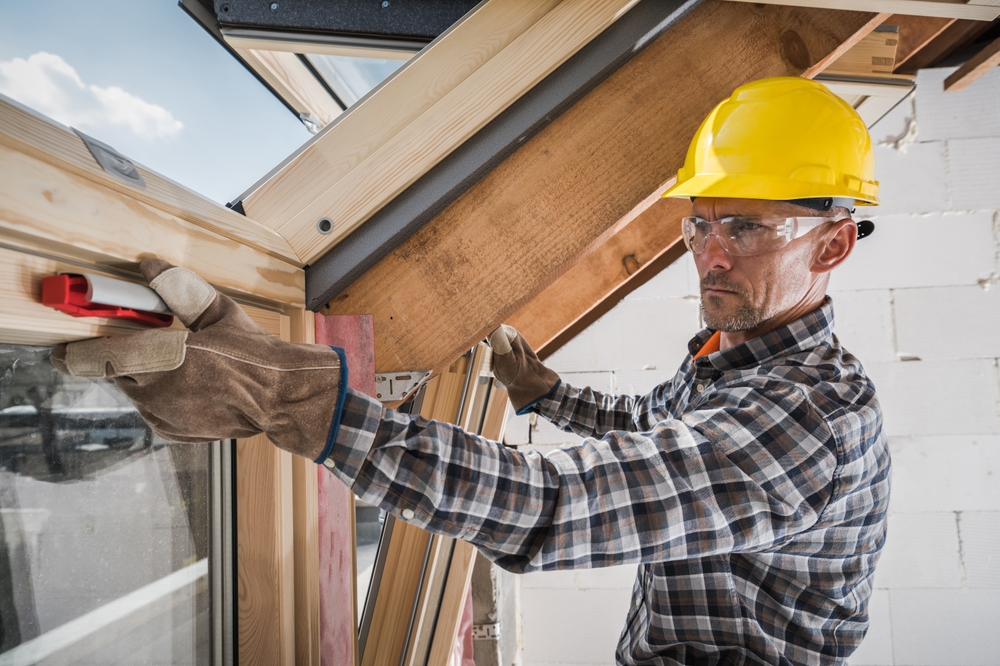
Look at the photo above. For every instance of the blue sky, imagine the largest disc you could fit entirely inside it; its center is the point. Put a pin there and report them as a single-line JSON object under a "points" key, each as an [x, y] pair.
{"points": [[144, 77]]}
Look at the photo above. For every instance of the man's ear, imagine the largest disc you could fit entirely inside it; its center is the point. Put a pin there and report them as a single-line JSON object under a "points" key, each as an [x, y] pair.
{"points": [[836, 246]]}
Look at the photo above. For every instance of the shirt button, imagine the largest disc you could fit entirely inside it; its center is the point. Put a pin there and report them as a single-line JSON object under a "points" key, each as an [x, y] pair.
{"points": [[699, 388], [407, 514], [330, 464]]}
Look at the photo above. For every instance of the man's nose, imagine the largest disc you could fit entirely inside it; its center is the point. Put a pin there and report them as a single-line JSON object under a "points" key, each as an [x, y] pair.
{"points": [[716, 253]]}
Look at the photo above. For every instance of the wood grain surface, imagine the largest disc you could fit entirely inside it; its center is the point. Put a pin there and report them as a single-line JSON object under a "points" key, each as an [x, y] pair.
{"points": [[547, 206], [31, 133]]}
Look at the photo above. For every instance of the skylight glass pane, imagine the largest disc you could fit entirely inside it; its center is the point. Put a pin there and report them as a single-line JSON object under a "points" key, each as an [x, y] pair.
{"points": [[352, 78]]}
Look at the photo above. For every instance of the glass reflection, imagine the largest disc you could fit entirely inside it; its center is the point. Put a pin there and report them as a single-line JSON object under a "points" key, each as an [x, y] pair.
{"points": [[104, 527], [369, 520], [352, 78]]}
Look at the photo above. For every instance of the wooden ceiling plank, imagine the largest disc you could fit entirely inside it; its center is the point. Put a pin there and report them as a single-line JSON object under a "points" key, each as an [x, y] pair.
{"points": [[33, 134], [368, 125], [523, 225], [448, 123], [979, 64], [916, 32], [944, 8], [949, 40]]}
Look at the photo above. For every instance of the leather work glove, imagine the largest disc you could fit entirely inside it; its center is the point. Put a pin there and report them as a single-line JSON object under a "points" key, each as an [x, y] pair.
{"points": [[225, 378], [518, 368]]}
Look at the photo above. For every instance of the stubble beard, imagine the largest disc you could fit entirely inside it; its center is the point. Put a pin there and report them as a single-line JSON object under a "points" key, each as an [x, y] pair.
{"points": [[745, 317]]}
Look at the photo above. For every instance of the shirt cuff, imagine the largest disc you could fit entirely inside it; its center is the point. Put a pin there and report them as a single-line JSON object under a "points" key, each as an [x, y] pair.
{"points": [[359, 421], [549, 405]]}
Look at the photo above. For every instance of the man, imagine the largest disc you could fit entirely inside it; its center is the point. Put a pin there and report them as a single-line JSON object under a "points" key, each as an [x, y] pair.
{"points": [[751, 488]]}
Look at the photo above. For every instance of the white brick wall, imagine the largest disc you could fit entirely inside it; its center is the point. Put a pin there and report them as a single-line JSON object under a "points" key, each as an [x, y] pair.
{"points": [[919, 304]]}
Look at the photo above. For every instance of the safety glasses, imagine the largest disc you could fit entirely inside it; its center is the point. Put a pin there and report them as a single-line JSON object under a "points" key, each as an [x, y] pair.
{"points": [[747, 236]]}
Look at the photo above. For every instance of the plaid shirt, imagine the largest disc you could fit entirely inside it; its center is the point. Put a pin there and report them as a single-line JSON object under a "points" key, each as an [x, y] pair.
{"points": [[752, 488]]}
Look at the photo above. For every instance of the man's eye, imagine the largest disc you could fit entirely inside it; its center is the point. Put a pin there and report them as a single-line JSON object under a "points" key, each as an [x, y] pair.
{"points": [[744, 227]]}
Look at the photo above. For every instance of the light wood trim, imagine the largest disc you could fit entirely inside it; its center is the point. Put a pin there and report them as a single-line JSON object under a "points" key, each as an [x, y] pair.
{"points": [[447, 124], [35, 135], [265, 578], [293, 81], [979, 64], [305, 529], [51, 209], [456, 591], [432, 590], [411, 90], [578, 180], [946, 8]]}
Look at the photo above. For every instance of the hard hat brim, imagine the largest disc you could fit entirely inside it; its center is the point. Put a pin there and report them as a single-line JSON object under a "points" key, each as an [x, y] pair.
{"points": [[730, 186]]}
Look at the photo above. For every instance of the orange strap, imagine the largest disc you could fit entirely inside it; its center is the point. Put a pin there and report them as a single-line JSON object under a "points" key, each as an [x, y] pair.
{"points": [[711, 345]]}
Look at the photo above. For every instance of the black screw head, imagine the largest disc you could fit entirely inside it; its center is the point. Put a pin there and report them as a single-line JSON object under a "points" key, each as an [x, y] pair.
{"points": [[224, 8]]}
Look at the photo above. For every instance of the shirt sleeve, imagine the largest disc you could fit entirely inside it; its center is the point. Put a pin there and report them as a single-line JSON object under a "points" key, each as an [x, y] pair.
{"points": [[749, 468], [591, 413]]}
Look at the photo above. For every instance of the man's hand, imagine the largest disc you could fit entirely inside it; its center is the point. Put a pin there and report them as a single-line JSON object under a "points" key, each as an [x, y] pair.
{"points": [[518, 368], [226, 378]]}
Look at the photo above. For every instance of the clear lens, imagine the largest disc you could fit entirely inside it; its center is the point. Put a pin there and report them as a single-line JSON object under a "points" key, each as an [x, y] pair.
{"points": [[746, 236]]}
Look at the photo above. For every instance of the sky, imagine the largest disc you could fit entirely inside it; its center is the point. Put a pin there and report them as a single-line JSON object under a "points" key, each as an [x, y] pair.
{"points": [[145, 78]]}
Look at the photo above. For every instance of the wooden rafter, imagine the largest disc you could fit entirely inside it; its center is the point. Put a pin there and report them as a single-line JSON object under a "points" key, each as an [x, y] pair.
{"points": [[979, 64], [978, 10], [953, 38], [916, 32], [547, 205]]}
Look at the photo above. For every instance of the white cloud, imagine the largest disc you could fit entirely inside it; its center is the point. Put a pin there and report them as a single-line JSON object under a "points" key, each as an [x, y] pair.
{"points": [[50, 85]]}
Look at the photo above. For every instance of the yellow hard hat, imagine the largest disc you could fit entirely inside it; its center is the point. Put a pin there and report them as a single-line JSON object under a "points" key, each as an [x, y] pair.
{"points": [[783, 139]]}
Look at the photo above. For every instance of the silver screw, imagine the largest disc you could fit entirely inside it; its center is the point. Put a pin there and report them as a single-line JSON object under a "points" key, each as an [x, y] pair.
{"points": [[274, 6], [385, 4]]}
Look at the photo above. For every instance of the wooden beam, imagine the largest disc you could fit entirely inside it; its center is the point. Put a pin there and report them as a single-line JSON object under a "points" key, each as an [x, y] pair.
{"points": [[915, 32], [545, 207], [49, 209], [37, 136], [640, 249], [368, 125], [977, 11], [454, 118], [979, 64], [954, 37]]}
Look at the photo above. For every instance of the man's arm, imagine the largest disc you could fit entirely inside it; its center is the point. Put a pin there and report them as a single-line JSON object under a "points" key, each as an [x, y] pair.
{"points": [[751, 468], [532, 386]]}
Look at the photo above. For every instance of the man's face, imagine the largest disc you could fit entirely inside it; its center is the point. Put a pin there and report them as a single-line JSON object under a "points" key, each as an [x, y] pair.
{"points": [[746, 293]]}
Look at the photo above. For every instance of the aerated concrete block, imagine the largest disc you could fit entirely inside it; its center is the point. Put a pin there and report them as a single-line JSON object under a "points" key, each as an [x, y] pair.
{"points": [[934, 250], [974, 171], [957, 114], [980, 535], [937, 397], [945, 627], [562, 626], [921, 550], [634, 334], [945, 473], [863, 324], [948, 323], [913, 179]]}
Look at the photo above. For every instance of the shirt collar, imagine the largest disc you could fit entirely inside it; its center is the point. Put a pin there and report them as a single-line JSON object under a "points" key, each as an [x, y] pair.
{"points": [[803, 334]]}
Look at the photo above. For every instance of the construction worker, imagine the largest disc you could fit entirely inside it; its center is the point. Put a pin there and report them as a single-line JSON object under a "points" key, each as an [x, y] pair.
{"points": [[751, 488]]}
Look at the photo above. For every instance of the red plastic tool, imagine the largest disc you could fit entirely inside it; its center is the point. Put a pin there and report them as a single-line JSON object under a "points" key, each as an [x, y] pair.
{"points": [[68, 293]]}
